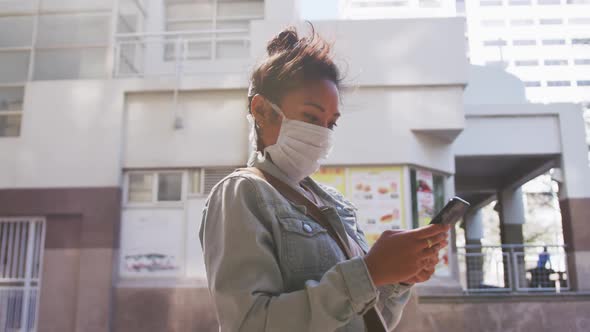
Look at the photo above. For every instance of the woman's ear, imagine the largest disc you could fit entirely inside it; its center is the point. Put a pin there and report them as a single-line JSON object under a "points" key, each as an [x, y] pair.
{"points": [[259, 110]]}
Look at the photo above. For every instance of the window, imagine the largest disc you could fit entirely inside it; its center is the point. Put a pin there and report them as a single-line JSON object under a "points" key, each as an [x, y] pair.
{"points": [[492, 23], [524, 42], [486, 3], [578, 2], [581, 41], [21, 31], [14, 66], [10, 125], [519, 23], [11, 106], [498, 42], [558, 83], [548, 2], [519, 2], [151, 187], [582, 61], [522, 63], [196, 178], [231, 20], [583, 83], [73, 30], [430, 3], [532, 84], [140, 187], [550, 21], [169, 186], [11, 99], [70, 63], [579, 20], [555, 62], [553, 42], [496, 63]]}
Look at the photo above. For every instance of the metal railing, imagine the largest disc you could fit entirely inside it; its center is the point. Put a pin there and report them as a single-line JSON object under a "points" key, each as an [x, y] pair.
{"points": [[171, 53], [513, 268]]}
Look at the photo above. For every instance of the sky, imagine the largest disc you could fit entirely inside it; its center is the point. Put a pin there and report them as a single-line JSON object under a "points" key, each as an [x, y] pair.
{"points": [[319, 9]]}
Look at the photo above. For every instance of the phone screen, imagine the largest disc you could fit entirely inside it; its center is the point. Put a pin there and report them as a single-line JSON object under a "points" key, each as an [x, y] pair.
{"points": [[452, 212]]}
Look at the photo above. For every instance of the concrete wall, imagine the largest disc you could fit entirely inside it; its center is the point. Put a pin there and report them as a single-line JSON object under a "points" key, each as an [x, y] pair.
{"points": [[168, 309], [401, 50], [81, 241], [74, 128]]}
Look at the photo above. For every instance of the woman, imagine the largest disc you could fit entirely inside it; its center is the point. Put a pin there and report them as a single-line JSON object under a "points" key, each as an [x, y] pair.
{"points": [[272, 265]]}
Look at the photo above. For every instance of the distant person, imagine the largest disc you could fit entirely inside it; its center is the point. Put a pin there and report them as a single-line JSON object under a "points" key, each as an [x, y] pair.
{"points": [[544, 258], [284, 253], [541, 275]]}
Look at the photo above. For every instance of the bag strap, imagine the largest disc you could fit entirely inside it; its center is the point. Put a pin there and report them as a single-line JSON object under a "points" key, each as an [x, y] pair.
{"points": [[312, 210], [372, 321]]}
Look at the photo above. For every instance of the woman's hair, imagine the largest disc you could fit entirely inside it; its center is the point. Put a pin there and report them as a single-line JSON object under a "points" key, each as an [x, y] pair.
{"points": [[291, 62]]}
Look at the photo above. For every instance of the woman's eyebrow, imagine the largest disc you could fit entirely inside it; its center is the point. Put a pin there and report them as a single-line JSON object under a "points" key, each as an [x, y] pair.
{"points": [[309, 103]]}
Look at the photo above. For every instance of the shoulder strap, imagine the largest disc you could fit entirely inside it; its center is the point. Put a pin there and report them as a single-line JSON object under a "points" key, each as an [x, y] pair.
{"points": [[371, 318], [312, 210]]}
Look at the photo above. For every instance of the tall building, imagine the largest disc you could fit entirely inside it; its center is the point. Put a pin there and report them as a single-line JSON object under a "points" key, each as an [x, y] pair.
{"points": [[545, 43], [367, 9]]}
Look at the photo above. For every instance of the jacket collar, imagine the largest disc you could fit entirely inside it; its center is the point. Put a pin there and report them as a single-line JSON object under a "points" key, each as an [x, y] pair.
{"points": [[261, 161]]}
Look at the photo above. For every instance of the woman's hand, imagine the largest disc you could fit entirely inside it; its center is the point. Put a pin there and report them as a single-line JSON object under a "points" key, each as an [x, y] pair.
{"points": [[399, 256], [427, 271]]}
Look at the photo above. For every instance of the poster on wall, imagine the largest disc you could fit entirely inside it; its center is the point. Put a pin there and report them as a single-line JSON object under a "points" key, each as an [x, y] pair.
{"points": [[426, 203], [332, 176], [377, 193], [152, 242], [424, 197]]}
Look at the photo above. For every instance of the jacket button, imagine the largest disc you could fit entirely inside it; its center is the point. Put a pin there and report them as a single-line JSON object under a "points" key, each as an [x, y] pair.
{"points": [[307, 228]]}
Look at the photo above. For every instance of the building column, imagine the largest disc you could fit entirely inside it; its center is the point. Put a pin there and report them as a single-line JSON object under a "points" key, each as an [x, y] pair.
{"points": [[473, 235], [574, 197], [512, 217], [511, 211]]}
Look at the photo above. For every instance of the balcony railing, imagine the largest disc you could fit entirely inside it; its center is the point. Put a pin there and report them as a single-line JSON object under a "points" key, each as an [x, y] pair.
{"points": [[176, 53], [513, 268]]}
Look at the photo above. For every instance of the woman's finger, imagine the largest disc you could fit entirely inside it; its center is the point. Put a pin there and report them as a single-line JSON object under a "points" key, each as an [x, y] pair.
{"points": [[430, 231], [433, 240], [425, 274], [429, 252]]}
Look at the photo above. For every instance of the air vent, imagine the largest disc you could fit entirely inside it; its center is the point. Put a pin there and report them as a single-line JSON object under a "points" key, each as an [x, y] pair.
{"points": [[213, 175]]}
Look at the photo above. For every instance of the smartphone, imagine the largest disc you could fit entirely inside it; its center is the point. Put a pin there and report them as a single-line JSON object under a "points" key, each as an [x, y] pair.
{"points": [[452, 212]]}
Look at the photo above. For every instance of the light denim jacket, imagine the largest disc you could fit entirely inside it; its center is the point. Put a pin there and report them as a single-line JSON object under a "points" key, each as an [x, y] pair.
{"points": [[272, 268]]}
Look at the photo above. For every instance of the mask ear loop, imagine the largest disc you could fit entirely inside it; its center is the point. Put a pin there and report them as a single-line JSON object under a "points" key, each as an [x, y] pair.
{"points": [[276, 108]]}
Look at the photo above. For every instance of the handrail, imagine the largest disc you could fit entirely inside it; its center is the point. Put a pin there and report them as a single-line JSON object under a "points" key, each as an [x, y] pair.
{"points": [[514, 268], [507, 246]]}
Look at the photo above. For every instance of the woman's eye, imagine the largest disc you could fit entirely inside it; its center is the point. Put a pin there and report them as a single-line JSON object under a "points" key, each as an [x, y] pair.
{"points": [[312, 118]]}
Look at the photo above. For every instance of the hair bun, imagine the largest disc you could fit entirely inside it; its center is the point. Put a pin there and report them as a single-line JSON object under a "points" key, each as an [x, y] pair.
{"points": [[285, 40]]}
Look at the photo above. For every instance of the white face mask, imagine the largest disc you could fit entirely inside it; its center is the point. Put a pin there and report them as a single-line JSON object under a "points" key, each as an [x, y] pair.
{"points": [[300, 147]]}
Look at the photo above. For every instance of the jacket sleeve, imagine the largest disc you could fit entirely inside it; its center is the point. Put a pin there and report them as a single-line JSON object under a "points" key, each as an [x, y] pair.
{"points": [[391, 298], [245, 280]]}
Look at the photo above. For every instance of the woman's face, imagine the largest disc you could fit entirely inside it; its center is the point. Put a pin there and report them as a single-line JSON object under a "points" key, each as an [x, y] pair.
{"points": [[316, 103]]}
